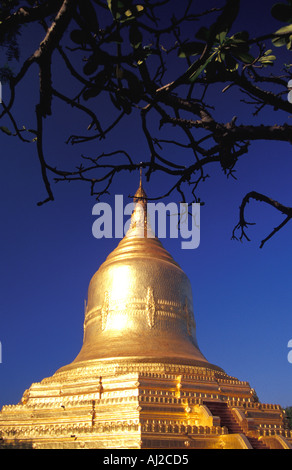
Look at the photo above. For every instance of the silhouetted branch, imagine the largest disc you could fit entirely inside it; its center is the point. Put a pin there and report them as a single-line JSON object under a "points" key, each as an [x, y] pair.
{"points": [[243, 224], [157, 71]]}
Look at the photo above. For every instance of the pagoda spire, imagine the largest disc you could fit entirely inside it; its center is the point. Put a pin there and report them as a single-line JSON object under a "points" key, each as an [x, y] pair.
{"points": [[140, 195], [139, 221]]}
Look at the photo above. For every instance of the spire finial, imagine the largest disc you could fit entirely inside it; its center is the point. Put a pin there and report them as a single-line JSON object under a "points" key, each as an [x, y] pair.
{"points": [[140, 195], [140, 174]]}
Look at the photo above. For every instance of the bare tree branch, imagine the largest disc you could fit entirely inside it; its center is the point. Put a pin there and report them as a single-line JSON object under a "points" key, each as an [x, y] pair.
{"points": [[242, 224], [150, 70]]}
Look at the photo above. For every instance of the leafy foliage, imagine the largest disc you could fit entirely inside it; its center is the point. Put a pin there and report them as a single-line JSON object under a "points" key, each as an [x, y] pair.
{"points": [[8, 40], [124, 10], [123, 52], [283, 12]]}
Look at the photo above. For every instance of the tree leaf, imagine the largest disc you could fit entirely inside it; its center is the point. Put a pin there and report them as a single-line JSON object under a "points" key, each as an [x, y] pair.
{"points": [[91, 65], [279, 41], [226, 18], [267, 60], [91, 93], [101, 78], [221, 37], [114, 37], [243, 56], [135, 36], [282, 12], [141, 54], [87, 11], [115, 102], [124, 10], [136, 88], [125, 104], [203, 34], [195, 75], [79, 36], [285, 29], [214, 70], [282, 40], [190, 48], [240, 36], [99, 57], [5, 130], [230, 63]]}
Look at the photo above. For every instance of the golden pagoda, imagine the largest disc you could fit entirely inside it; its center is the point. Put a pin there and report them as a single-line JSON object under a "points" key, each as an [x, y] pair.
{"points": [[140, 380]]}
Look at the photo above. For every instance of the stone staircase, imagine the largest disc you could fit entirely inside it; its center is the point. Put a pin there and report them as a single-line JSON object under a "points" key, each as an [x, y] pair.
{"points": [[227, 419]]}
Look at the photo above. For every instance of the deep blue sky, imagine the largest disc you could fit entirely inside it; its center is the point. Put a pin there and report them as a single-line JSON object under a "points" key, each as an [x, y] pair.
{"points": [[242, 294]]}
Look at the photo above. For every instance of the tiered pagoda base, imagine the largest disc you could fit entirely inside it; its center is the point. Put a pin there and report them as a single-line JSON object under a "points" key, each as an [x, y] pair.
{"points": [[140, 380], [116, 405]]}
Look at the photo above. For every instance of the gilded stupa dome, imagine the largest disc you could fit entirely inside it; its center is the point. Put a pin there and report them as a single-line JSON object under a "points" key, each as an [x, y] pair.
{"points": [[140, 380], [140, 305]]}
